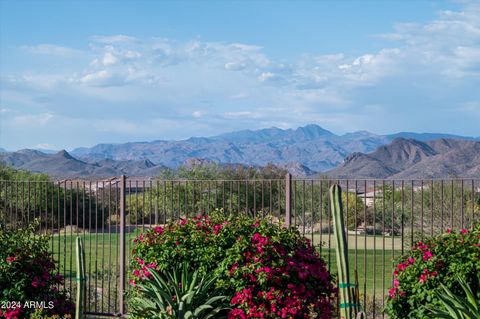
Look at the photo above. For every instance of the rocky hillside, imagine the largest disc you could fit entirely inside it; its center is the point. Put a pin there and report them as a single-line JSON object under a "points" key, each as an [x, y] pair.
{"points": [[64, 165], [409, 158]]}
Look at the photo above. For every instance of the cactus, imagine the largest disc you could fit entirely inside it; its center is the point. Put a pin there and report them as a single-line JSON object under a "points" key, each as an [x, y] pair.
{"points": [[356, 295], [80, 254], [348, 307]]}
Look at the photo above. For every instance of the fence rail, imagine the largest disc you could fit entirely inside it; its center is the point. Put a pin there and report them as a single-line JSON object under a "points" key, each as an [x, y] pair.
{"points": [[383, 218]]}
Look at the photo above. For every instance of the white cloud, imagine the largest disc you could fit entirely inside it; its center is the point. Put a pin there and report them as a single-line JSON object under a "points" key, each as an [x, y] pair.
{"points": [[240, 95], [242, 114], [96, 77], [197, 114], [44, 146], [426, 69], [113, 39], [265, 76], [115, 126], [50, 49], [109, 59], [33, 120]]}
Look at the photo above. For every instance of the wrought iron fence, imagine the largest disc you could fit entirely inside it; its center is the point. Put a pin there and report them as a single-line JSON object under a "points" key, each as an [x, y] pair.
{"points": [[384, 218]]}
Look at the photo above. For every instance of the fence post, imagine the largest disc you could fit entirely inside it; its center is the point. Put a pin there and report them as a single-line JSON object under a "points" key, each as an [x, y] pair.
{"points": [[288, 199], [122, 260]]}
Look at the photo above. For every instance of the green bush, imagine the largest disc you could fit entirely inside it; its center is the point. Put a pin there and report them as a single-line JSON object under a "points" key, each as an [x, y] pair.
{"points": [[439, 260], [28, 274], [261, 267], [39, 313]]}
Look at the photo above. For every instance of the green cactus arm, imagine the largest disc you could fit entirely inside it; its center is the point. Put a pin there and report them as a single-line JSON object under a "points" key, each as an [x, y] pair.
{"points": [[348, 308]]}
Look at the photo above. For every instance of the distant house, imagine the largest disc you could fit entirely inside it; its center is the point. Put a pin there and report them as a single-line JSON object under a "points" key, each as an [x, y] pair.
{"points": [[133, 184], [369, 195]]}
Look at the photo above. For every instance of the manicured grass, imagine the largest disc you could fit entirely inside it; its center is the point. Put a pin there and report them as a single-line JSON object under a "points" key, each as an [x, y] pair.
{"points": [[101, 251], [374, 266], [374, 269], [101, 264], [368, 242]]}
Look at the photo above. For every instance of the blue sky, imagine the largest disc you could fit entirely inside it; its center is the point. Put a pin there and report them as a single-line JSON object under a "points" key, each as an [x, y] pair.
{"points": [[78, 73]]}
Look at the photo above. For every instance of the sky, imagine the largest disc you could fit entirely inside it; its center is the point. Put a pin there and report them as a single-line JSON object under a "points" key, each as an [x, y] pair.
{"points": [[79, 73]]}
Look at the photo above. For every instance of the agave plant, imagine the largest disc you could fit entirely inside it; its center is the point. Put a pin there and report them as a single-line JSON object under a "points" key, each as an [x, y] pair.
{"points": [[457, 307], [178, 294]]}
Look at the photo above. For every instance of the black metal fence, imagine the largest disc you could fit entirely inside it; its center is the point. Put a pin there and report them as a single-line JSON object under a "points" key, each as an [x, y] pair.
{"points": [[383, 219]]}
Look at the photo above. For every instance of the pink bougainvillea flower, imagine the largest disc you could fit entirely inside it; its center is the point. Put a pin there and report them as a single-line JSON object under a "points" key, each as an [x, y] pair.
{"points": [[402, 266], [463, 231], [237, 314], [391, 292], [427, 255], [147, 274], [158, 230], [136, 273], [411, 260], [449, 230], [11, 259], [36, 282], [216, 229], [423, 278], [396, 283], [11, 313]]}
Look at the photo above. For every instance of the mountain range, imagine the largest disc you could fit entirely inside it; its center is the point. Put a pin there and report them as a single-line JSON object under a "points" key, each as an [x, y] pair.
{"points": [[64, 165], [409, 158], [303, 151], [311, 146]]}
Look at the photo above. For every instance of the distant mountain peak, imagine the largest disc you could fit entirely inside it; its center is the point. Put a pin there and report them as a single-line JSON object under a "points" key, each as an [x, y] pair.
{"points": [[408, 145], [298, 169], [147, 163], [64, 154], [312, 131], [29, 151], [353, 157]]}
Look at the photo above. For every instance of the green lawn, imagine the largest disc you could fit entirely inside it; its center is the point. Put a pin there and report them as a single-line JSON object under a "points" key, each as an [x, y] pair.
{"points": [[360, 241], [374, 266], [101, 252], [374, 270]]}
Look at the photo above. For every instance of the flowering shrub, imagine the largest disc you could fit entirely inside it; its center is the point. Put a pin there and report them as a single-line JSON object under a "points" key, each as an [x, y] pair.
{"points": [[39, 313], [438, 260], [267, 271], [28, 279]]}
